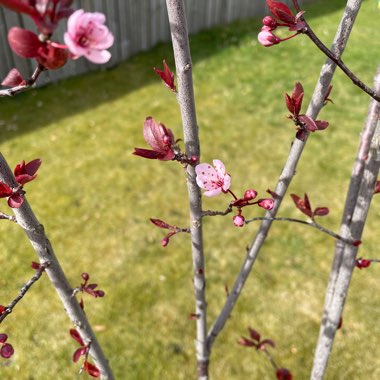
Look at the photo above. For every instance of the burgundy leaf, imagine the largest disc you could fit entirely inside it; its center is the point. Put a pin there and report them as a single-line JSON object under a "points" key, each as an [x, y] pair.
{"points": [[321, 124], [24, 42], [35, 265], [75, 335], [289, 104], [297, 96], [362, 263], [147, 153], [13, 79], [254, 334], [91, 369], [308, 122], [377, 187], [78, 353], [301, 134], [302, 204], [26, 172], [5, 190], [321, 211], [19, 6], [281, 11], [283, 374], [246, 342], [167, 76], [160, 223], [265, 342], [2, 309]]}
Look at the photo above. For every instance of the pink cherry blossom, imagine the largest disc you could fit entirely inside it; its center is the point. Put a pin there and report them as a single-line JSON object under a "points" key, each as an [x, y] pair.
{"points": [[88, 36], [213, 179]]}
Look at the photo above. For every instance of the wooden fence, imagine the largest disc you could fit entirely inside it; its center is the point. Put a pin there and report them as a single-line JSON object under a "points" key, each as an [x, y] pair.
{"points": [[136, 24]]}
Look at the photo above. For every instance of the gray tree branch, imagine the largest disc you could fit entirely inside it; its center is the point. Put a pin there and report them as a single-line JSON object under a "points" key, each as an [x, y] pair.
{"points": [[316, 103], [41, 244], [179, 34], [359, 195]]}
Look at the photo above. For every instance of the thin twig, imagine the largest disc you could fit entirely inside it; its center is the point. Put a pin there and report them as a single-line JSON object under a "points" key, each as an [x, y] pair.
{"points": [[7, 217], [355, 80], [316, 104], [29, 83], [311, 224], [24, 290]]}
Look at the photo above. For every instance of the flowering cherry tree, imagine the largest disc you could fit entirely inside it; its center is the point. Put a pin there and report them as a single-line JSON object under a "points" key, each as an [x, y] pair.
{"points": [[88, 36]]}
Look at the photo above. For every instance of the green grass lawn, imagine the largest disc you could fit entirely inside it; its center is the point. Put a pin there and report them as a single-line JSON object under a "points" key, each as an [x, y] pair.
{"points": [[95, 200]]}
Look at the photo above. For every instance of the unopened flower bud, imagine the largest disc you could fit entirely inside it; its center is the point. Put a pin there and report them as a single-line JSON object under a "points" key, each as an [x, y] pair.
{"points": [[164, 242], [250, 194], [270, 21], [267, 38], [238, 220], [267, 203], [85, 276]]}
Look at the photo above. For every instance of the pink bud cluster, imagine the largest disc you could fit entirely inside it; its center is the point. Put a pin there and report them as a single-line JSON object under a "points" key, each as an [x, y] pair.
{"points": [[215, 180], [282, 17]]}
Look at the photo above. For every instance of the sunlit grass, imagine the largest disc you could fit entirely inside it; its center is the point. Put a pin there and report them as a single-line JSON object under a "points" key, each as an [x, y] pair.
{"points": [[95, 200]]}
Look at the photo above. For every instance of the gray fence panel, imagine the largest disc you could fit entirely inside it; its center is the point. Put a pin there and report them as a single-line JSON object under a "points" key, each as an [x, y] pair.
{"points": [[136, 24]]}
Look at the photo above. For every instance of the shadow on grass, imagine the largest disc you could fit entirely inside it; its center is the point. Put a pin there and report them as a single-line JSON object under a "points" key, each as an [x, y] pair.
{"points": [[38, 107]]}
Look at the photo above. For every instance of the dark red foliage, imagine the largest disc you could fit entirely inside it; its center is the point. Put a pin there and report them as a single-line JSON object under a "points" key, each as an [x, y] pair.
{"points": [[167, 76], [285, 16], [305, 207], [91, 369], [90, 288], [45, 13], [161, 224], [302, 204], [303, 122], [13, 78], [35, 265], [24, 43], [25, 173], [377, 187], [2, 309], [362, 263], [283, 374]]}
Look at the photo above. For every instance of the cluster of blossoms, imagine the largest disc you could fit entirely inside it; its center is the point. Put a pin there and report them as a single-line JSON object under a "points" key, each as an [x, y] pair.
{"points": [[23, 173], [86, 35], [284, 17], [215, 180]]}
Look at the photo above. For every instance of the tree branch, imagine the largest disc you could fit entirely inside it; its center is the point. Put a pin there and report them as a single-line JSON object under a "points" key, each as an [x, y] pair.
{"points": [[359, 195], [179, 34], [317, 101], [41, 244]]}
